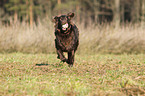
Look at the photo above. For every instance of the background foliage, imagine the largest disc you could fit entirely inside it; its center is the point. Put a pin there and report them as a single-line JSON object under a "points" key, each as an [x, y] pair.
{"points": [[106, 26], [93, 10]]}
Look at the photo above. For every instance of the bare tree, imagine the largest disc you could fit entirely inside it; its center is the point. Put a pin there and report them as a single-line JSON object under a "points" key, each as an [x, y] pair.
{"points": [[135, 12], [143, 13], [122, 10], [31, 13], [59, 3], [96, 10], [15, 17], [78, 13], [27, 12], [116, 12]]}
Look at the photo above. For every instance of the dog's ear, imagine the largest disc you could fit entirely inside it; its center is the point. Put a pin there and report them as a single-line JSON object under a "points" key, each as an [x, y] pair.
{"points": [[55, 19], [70, 15]]}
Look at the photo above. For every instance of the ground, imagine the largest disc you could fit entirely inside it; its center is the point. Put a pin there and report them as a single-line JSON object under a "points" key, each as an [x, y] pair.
{"points": [[92, 75]]}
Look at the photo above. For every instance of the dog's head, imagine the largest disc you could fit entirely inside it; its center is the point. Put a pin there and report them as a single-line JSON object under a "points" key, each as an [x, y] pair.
{"points": [[63, 22]]}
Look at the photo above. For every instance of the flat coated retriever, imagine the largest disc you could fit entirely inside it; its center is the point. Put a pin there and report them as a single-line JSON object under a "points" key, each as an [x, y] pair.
{"points": [[67, 37]]}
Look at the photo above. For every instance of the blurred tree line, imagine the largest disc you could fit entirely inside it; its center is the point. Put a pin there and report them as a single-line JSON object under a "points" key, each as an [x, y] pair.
{"points": [[97, 11]]}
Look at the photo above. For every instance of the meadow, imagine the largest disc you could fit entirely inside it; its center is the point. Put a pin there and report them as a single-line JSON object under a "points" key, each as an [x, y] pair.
{"points": [[92, 75], [110, 61]]}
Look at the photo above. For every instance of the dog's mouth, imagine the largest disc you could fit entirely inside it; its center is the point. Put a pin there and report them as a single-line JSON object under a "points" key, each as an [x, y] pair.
{"points": [[64, 26]]}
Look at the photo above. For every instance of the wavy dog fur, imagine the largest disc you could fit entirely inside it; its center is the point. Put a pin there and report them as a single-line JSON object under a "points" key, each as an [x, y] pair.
{"points": [[67, 37]]}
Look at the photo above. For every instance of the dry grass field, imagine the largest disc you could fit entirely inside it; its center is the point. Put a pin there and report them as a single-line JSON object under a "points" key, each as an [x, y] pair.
{"points": [[110, 61], [92, 75], [105, 38]]}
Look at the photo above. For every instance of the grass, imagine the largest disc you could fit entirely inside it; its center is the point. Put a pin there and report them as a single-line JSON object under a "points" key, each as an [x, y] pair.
{"points": [[92, 75]]}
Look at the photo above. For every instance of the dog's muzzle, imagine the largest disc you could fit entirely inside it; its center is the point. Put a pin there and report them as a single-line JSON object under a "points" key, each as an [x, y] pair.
{"points": [[65, 26]]}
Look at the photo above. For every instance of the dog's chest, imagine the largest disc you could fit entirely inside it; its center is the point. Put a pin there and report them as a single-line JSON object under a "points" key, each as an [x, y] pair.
{"points": [[67, 41]]}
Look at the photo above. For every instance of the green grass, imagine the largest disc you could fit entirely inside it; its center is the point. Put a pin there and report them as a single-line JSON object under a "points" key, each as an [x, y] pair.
{"points": [[92, 75]]}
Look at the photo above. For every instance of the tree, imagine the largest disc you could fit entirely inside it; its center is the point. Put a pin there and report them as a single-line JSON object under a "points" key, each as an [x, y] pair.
{"points": [[13, 7], [143, 13], [59, 3], [45, 8], [78, 12], [31, 13], [116, 12], [135, 13], [87, 11]]}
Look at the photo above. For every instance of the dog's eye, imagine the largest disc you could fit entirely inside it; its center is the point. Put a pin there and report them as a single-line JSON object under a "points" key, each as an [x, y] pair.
{"points": [[67, 18]]}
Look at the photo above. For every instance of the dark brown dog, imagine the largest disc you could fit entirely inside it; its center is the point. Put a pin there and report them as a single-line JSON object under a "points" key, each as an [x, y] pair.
{"points": [[67, 37]]}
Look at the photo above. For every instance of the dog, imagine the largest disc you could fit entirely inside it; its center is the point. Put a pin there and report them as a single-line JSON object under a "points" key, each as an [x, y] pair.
{"points": [[67, 37]]}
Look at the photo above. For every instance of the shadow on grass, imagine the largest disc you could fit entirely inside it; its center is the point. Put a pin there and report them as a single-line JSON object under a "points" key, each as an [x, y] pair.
{"points": [[43, 64], [54, 65]]}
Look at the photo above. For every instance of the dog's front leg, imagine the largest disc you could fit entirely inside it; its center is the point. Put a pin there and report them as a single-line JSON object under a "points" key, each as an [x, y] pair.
{"points": [[71, 58], [61, 56]]}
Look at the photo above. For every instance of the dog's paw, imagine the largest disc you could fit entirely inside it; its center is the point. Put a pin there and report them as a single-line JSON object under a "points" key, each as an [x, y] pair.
{"points": [[70, 65], [64, 60]]}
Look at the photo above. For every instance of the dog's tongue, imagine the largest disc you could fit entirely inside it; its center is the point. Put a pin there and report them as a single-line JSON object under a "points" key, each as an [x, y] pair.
{"points": [[65, 26]]}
